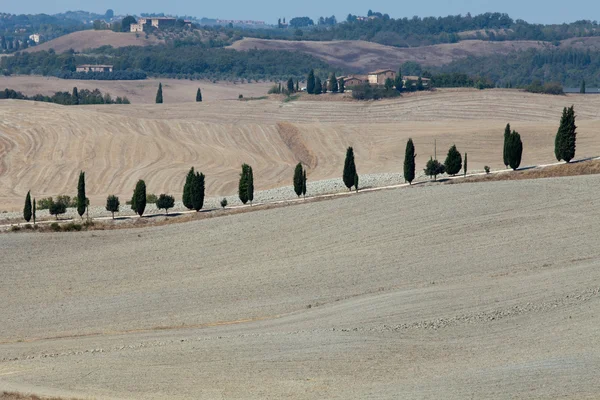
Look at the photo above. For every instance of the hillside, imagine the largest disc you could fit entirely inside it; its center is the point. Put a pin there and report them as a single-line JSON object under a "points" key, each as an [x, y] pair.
{"points": [[91, 39], [43, 146], [451, 291]]}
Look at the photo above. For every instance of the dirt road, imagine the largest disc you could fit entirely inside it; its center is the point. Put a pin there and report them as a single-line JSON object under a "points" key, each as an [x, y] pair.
{"points": [[457, 291]]}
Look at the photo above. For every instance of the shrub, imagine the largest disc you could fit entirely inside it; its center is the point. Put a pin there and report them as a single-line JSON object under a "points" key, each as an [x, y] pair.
{"points": [[434, 168], [486, 169], [70, 227], [368, 92], [151, 198], [15, 228], [44, 203], [165, 201], [224, 203], [58, 207], [55, 227]]}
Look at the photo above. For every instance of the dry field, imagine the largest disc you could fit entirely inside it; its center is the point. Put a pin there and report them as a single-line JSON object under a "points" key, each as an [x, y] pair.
{"points": [[44, 146], [138, 92], [449, 291], [91, 39]]}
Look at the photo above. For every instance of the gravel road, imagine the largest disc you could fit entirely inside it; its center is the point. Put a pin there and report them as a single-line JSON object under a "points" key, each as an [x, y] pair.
{"points": [[447, 291]]}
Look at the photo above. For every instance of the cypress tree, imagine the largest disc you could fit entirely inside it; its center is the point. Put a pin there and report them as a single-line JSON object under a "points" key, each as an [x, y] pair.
{"points": [[465, 166], [34, 210], [333, 83], [250, 185], [356, 182], [398, 83], [505, 154], [199, 96], [290, 86], [409, 162], [186, 198], [453, 161], [75, 96], [304, 183], [515, 150], [243, 184], [27, 209], [341, 85], [349, 168], [81, 199], [582, 88], [159, 95], [310, 82], [197, 191], [138, 202], [298, 179], [297, 85], [318, 86], [566, 136]]}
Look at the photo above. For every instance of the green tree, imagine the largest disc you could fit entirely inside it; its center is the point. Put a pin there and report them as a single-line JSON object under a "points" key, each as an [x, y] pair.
{"points": [[243, 184], [304, 183], [398, 82], [186, 198], [297, 85], [34, 211], [27, 209], [341, 85], [298, 179], [333, 83], [515, 150], [506, 136], [409, 161], [582, 87], [138, 201], [465, 166], [81, 199], [324, 84], [356, 182], [420, 86], [318, 86], [165, 201], [58, 207], [197, 191], [224, 202], [310, 82], [566, 136], [349, 168], [126, 23], [199, 96], [159, 94], [75, 96], [434, 168], [389, 84], [250, 185], [453, 163], [112, 204], [290, 86]]}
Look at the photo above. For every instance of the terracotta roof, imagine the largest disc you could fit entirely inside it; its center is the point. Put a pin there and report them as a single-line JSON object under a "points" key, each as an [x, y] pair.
{"points": [[380, 71]]}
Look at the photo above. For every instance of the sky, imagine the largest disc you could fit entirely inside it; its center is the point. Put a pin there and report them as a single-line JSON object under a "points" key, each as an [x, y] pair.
{"points": [[535, 11]]}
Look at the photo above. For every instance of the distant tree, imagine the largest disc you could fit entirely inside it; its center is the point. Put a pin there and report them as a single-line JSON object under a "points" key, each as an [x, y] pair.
{"points": [[126, 23], [27, 209], [310, 82], [138, 201], [333, 83], [324, 84], [81, 199], [290, 86], [75, 96], [159, 94], [186, 198], [349, 169], [109, 14], [58, 207], [465, 166], [198, 96], [515, 150], [224, 202], [250, 185], [112, 204], [434, 168], [34, 211], [297, 85], [582, 88], [304, 183], [409, 161], [3, 43], [506, 136], [300, 22], [356, 182], [243, 184], [420, 86], [197, 191], [389, 84], [566, 136], [398, 82], [298, 179], [341, 85], [165, 202], [318, 86], [453, 163]]}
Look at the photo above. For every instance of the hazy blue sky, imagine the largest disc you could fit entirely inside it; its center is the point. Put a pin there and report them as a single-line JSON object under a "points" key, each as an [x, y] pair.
{"points": [[547, 11]]}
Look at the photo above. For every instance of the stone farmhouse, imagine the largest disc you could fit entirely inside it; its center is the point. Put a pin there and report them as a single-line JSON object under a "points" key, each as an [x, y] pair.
{"points": [[379, 77], [94, 68], [155, 22]]}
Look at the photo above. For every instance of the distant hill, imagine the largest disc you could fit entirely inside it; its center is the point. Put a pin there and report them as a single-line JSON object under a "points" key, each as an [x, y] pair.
{"points": [[91, 39]]}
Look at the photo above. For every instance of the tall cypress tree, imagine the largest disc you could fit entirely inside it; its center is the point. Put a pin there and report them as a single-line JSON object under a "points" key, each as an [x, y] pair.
{"points": [[197, 191], [304, 183], [81, 199], [310, 82], [186, 198], [453, 161], [243, 184], [318, 86], [582, 88], [341, 85], [138, 201], [290, 86], [566, 136], [250, 185], [159, 94], [515, 150], [333, 83], [27, 209], [505, 154], [298, 179], [34, 210], [75, 96], [349, 168], [199, 96], [465, 166], [409, 162]]}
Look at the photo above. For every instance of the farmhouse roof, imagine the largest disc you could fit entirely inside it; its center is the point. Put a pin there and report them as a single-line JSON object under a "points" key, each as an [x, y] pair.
{"points": [[415, 78], [380, 71]]}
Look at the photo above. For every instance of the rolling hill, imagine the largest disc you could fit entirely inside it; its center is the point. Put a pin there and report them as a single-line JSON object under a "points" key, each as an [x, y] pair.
{"points": [[91, 39]]}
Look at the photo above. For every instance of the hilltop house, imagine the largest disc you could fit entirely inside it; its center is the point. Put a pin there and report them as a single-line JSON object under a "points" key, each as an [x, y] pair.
{"points": [[94, 68], [155, 22], [379, 77], [353, 80]]}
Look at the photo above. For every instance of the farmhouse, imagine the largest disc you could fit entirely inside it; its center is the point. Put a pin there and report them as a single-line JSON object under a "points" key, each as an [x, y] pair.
{"points": [[413, 79], [155, 22], [353, 80], [379, 77], [94, 68]]}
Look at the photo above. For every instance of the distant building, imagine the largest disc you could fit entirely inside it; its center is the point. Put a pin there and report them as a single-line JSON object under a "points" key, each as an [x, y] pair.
{"points": [[239, 22], [94, 68], [155, 22], [353, 80], [414, 79], [379, 77], [36, 37]]}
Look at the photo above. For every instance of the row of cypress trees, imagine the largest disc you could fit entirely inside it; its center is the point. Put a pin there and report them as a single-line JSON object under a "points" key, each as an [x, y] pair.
{"points": [[314, 85], [159, 95]]}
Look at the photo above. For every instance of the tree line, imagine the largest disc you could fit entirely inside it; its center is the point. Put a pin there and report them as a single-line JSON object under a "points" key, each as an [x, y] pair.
{"points": [[76, 97]]}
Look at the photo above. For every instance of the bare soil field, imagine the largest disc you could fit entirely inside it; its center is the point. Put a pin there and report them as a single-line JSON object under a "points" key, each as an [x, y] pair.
{"points": [[91, 39], [44, 146], [446, 291], [361, 56], [138, 92]]}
